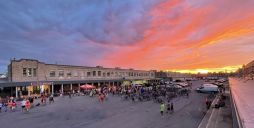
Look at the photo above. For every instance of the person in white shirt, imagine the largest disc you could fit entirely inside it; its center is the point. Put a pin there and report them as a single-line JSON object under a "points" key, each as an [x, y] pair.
{"points": [[23, 105]]}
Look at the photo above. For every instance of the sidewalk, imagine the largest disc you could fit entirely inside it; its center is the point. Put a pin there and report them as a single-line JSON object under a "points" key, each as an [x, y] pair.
{"points": [[218, 117]]}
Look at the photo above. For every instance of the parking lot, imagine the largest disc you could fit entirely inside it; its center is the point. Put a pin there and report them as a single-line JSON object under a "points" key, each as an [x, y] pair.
{"points": [[87, 112]]}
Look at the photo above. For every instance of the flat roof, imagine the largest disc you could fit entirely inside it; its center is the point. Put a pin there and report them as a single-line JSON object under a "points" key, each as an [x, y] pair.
{"points": [[242, 93]]}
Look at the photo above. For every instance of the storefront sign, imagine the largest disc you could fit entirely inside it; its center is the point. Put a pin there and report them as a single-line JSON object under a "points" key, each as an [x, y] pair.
{"points": [[41, 83]]}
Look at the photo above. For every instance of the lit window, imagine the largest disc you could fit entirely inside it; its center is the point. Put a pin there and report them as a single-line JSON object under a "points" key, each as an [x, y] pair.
{"points": [[29, 72]]}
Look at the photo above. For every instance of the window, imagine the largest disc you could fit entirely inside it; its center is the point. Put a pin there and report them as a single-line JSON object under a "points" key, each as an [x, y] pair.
{"points": [[61, 74], [68, 74], [99, 73], [94, 73], [34, 72], [52, 74], [29, 72], [108, 74], [24, 71], [88, 74]]}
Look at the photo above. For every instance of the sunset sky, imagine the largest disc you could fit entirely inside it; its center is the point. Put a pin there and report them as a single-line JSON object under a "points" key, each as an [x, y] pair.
{"points": [[173, 35]]}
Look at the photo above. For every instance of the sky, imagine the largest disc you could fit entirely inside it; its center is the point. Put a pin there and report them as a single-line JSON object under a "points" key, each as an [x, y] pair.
{"points": [[169, 35]]}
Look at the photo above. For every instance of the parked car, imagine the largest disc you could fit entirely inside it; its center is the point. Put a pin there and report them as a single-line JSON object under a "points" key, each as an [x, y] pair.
{"points": [[208, 88], [219, 84]]}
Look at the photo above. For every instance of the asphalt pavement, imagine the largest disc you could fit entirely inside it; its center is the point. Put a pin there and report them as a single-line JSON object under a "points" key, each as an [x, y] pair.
{"points": [[87, 112]]}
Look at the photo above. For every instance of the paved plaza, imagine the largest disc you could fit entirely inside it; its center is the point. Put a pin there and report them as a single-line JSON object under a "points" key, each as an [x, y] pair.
{"points": [[87, 112]]}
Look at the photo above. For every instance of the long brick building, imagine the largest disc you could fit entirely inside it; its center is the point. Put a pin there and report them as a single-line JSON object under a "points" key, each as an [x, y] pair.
{"points": [[34, 76]]}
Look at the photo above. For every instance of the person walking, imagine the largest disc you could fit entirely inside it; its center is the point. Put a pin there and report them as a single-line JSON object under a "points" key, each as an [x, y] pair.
{"points": [[5, 106], [28, 105], [207, 102], [13, 105], [69, 93], [10, 105], [162, 108], [31, 100], [168, 107], [172, 107], [1, 105], [51, 99], [23, 105]]}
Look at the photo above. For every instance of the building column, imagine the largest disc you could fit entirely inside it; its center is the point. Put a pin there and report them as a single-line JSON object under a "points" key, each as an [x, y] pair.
{"points": [[71, 87], [113, 83], [79, 87], [29, 92], [52, 88], [62, 88], [16, 91]]}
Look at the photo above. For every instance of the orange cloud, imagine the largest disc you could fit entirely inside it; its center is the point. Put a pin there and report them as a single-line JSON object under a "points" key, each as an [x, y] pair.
{"points": [[179, 31]]}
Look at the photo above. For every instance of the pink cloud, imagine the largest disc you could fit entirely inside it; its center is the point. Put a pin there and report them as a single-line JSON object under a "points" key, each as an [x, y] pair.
{"points": [[186, 35]]}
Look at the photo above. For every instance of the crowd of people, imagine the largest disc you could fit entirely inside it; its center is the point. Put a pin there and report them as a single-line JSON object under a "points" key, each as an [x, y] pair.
{"points": [[160, 94], [23, 103]]}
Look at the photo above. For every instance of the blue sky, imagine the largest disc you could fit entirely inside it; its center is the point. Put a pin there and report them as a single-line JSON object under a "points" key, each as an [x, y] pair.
{"points": [[70, 32], [143, 34]]}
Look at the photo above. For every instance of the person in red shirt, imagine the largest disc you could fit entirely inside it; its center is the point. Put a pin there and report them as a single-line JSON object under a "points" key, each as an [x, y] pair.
{"points": [[28, 105], [10, 105], [13, 105]]}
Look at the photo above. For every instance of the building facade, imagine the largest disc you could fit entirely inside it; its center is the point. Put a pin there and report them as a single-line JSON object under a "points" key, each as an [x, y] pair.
{"points": [[172, 75], [32, 76], [33, 70], [248, 70]]}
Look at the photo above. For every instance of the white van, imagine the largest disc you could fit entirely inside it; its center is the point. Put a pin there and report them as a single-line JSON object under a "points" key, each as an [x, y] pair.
{"points": [[208, 88]]}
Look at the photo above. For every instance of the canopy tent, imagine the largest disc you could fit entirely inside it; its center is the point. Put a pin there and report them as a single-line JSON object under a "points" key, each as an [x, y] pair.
{"points": [[87, 87]]}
